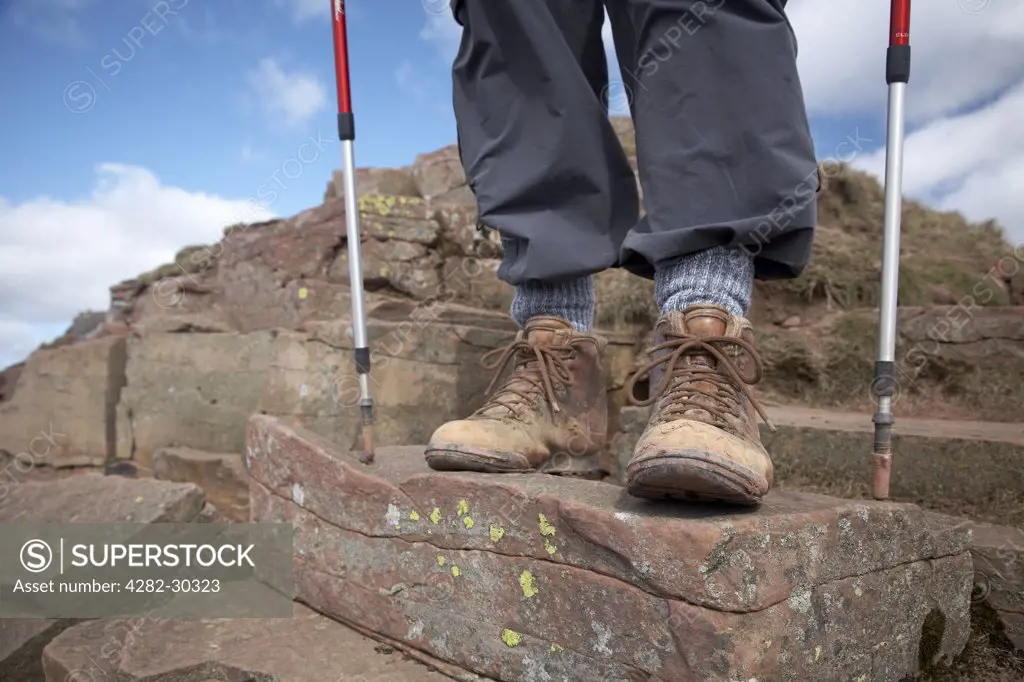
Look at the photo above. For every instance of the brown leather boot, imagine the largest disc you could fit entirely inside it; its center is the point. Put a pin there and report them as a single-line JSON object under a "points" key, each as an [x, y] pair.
{"points": [[701, 442], [550, 414]]}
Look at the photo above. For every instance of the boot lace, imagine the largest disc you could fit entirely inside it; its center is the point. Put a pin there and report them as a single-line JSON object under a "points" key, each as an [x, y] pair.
{"points": [[535, 365], [682, 384]]}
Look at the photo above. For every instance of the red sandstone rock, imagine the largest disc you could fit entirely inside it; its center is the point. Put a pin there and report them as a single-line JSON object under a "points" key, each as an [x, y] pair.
{"points": [[65, 395], [304, 648], [393, 181], [519, 576], [92, 498], [998, 553], [438, 172], [88, 498], [221, 475]]}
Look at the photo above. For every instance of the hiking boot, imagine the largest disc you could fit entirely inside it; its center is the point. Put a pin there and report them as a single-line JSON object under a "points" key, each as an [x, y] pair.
{"points": [[701, 442], [550, 414]]}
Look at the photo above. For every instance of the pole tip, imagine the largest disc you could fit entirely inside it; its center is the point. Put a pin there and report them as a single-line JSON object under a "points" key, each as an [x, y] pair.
{"points": [[881, 466], [366, 456]]}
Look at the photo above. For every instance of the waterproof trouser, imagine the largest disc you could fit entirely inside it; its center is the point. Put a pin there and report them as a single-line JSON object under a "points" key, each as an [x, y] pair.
{"points": [[723, 146]]}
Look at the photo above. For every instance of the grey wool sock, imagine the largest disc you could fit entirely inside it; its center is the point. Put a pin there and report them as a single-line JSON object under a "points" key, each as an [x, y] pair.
{"points": [[572, 300], [720, 275]]}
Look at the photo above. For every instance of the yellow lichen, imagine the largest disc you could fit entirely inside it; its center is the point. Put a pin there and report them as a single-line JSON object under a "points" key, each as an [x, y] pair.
{"points": [[496, 533], [414, 516], [557, 648], [528, 585], [303, 292], [551, 549], [463, 508], [817, 653], [435, 516], [511, 638], [456, 571], [468, 522], [545, 527], [440, 561], [376, 203]]}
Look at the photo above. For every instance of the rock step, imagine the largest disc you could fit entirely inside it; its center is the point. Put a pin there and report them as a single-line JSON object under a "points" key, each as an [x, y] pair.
{"points": [[304, 648], [998, 553], [968, 468], [524, 577], [88, 498], [94, 498], [221, 475], [831, 420]]}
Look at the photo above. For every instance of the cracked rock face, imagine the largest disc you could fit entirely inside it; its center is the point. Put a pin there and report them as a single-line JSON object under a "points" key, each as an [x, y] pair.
{"points": [[198, 390], [86, 498], [57, 416], [304, 648], [525, 577], [93, 498], [998, 553]]}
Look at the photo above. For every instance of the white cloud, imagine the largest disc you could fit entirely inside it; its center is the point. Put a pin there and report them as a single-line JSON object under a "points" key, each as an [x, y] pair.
{"points": [[972, 162], [293, 96], [957, 58], [304, 10], [965, 100], [248, 154], [58, 258], [410, 80], [443, 32], [54, 21], [964, 150]]}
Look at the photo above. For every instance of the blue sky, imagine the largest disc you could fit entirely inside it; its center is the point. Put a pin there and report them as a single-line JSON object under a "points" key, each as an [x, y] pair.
{"points": [[181, 102], [135, 127], [172, 91]]}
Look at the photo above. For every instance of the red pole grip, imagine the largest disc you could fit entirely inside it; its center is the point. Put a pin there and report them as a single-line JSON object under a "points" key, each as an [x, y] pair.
{"points": [[341, 57], [899, 23]]}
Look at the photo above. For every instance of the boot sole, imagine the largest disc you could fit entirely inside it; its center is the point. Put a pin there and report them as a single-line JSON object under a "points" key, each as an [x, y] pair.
{"points": [[693, 476], [450, 457]]}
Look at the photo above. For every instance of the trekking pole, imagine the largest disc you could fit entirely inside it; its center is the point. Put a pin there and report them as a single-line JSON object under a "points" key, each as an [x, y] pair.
{"points": [[347, 134], [897, 75]]}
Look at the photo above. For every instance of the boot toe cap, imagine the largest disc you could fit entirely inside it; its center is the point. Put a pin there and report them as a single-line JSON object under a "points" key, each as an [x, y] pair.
{"points": [[471, 445], [690, 459]]}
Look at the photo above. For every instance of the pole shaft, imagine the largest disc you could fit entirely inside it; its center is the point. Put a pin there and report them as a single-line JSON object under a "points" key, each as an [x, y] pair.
{"points": [[893, 210], [341, 57], [899, 23], [353, 240], [897, 75], [347, 134]]}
